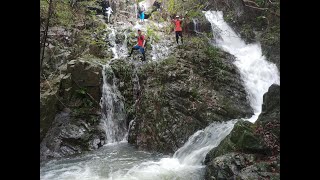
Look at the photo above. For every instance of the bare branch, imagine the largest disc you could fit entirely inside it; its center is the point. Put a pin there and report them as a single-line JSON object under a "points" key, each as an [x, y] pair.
{"points": [[263, 9], [271, 2], [278, 15], [45, 34], [252, 2]]}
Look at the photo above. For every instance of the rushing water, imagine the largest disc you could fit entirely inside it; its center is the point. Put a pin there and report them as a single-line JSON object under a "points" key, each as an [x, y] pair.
{"points": [[257, 73], [113, 113], [121, 161]]}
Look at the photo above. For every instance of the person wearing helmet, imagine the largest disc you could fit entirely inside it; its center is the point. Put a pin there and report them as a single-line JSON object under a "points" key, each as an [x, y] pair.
{"points": [[178, 29]]}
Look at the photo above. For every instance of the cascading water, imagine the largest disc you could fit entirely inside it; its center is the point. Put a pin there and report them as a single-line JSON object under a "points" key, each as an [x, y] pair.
{"points": [[112, 39], [113, 113], [123, 49], [257, 73], [195, 25], [121, 161], [186, 163]]}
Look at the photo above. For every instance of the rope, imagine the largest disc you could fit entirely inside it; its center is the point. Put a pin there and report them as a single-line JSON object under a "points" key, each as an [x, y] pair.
{"points": [[87, 93], [54, 93]]}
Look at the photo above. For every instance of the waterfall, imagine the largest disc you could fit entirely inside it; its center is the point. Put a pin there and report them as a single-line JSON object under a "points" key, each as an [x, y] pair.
{"points": [[112, 39], [257, 73], [123, 49], [195, 25], [187, 161], [200, 143], [113, 113]]}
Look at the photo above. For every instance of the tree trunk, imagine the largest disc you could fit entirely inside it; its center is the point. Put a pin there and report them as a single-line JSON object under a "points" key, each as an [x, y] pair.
{"points": [[44, 38]]}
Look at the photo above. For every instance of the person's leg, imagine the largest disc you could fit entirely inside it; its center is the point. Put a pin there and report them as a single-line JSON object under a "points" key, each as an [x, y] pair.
{"points": [[143, 17], [180, 33], [143, 53], [133, 48], [177, 37]]}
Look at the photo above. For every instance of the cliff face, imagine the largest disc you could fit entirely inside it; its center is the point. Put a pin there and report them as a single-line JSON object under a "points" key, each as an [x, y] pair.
{"points": [[70, 114]]}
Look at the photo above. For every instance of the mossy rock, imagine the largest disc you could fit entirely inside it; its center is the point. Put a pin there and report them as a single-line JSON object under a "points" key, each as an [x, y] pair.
{"points": [[243, 139]]}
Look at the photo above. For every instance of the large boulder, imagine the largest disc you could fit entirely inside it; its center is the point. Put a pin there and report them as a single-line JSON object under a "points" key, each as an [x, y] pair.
{"points": [[86, 75], [70, 134], [71, 115], [250, 151], [48, 109], [242, 138], [243, 167]]}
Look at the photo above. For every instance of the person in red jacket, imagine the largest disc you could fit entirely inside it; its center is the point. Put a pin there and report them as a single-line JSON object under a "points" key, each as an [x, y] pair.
{"points": [[139, 45], [177, 22]]}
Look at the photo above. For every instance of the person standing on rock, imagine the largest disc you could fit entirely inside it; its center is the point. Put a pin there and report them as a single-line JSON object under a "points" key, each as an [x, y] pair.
{"points": [[139, 45], [177, 22], [142, 9], [109, 11]]}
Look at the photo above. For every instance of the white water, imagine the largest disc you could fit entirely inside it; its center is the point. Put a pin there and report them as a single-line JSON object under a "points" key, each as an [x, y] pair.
{"points": [[186, 163], [113, 113], [257, 73], [112, 39], [147, 4], [195, 25]]}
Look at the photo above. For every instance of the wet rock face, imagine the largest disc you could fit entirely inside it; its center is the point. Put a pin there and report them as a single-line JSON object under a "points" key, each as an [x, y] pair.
{"points": [[86, 75], [241, 166], [70, 121], [197, 25], [250, 151], [48, 109], [70, 134]]}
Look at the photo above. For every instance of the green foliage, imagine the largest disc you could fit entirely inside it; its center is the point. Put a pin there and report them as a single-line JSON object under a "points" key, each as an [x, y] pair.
{"points": [[212, 52], [197, 42], [171, 7], [63, 14], [194, 13], [229, 16], [194, 93], [81, 93], [169, 61], [151, 34], [272, 36], [156, 16], [260, 2], [44, 6]]}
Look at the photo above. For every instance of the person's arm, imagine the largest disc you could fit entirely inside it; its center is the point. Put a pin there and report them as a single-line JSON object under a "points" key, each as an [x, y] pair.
{"points": [[144, 42]]}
